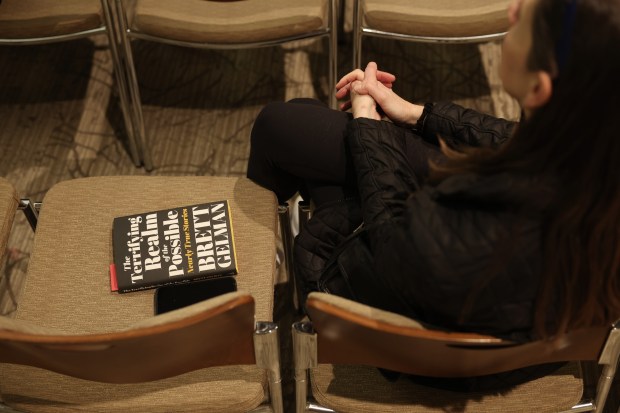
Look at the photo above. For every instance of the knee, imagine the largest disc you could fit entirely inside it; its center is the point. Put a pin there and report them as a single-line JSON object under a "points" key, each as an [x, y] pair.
{"points": [[308, 101], [266, 122]]}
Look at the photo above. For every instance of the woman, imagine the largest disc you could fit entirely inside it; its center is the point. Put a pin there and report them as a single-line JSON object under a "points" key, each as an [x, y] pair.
{"points": [[515, 231]]}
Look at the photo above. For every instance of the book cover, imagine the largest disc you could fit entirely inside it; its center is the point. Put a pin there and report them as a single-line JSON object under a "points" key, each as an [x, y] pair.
{"points": [[172, 246]]}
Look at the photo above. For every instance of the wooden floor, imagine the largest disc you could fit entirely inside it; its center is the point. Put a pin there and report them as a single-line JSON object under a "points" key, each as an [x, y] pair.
{"points": [[60, 117]]}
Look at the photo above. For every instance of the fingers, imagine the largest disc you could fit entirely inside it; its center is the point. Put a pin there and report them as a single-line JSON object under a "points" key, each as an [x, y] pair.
{"points": [[347, 88], [358, 87], [370, 74], [368, 81], [357, 74], [344, 91], [383, 77]]}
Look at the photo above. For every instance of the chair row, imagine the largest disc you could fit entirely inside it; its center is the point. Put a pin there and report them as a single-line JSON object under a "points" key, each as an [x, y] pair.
{"points": [[191, 23], [74, 345], [236, 25]]}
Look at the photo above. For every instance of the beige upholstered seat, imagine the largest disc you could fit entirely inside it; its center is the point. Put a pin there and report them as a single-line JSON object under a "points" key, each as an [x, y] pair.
{"points": [[213, 24], [346, 389], [67, 292], [216, 22], [428, 21], [347, 341], [21, 19], [28, 22]]}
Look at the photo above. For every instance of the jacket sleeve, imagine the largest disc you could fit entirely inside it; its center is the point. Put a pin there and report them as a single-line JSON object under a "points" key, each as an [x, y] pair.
{"points": [[384, 177], [463, 126]]}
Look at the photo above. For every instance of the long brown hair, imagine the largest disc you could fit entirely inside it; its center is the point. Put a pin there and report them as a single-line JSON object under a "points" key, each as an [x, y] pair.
{"points": [[574, 140]]}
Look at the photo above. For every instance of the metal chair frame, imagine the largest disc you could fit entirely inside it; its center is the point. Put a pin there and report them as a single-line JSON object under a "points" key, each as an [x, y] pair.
{"points": [[304, 212]]}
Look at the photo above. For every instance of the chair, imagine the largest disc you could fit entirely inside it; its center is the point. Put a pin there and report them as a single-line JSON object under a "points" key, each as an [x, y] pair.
{"points": [[215, 24], [346, 341], [74, 345], [30, 22], [429, 21]]}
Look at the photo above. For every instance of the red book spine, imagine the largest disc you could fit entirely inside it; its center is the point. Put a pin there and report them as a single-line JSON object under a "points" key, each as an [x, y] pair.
{"points": [[113, 282]]}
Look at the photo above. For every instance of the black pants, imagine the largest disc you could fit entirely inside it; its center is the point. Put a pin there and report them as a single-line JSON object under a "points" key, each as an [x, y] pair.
{"points": [[300, 146]]}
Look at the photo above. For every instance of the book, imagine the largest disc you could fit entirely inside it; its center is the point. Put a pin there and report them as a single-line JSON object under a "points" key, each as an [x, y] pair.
{"points": [[172, 246]]}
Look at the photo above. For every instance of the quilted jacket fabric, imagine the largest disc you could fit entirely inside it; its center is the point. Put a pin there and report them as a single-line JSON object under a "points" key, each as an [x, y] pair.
{"points": [[464, 254]]}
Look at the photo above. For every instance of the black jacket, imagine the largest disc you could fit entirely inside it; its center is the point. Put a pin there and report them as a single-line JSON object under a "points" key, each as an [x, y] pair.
{"points": [[462, 255]]}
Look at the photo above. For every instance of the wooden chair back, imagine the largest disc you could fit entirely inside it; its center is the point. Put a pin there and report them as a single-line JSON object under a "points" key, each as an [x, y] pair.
{"points": [[184, 340], [348, 337]]}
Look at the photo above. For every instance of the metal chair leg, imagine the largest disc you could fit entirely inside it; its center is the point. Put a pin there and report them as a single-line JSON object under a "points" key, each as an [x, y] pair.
{"points": [[287, 241], [267, 354], [121, 81], [287, 238], [357, 34], [31, 211], [304, 213], [333, 54], [305, 357], [128, 67], [609, 359]]}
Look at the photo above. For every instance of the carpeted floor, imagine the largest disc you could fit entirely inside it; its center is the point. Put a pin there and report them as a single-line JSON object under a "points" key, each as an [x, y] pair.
{"points": [[60, 119]]}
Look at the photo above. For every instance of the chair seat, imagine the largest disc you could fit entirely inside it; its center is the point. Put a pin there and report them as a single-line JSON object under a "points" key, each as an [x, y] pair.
{"points": [[228, 22], [25, 19], [437, 18], [364, 389], [71, 255]]}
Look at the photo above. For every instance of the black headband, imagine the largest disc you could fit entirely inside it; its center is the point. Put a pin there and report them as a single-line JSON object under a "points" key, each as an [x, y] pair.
{"points": [[562, 48]]}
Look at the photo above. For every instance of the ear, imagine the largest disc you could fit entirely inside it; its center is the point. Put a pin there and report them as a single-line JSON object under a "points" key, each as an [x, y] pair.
{"points": [[540, 90]]}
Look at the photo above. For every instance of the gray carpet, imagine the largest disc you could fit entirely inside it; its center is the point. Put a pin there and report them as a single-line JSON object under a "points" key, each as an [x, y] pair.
{"points": [[60, 118]]}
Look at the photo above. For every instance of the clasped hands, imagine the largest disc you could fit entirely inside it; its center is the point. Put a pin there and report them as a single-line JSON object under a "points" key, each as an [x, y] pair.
{"points": [[370, 91]]}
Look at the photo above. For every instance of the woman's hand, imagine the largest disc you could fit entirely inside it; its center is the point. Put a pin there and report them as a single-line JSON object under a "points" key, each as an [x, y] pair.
{"points": [[343, 86], [362, 104], [372, 83]]}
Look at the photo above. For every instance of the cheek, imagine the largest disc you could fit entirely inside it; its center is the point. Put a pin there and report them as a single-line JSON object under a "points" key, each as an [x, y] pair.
{"points": [[504, 64], [510, 67]]}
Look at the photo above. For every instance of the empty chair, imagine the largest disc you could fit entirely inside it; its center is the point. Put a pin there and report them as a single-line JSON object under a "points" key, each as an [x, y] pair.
{"points": [[30, 22], [214, 24], [428, 21], [340, 350]]}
